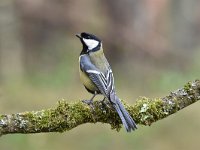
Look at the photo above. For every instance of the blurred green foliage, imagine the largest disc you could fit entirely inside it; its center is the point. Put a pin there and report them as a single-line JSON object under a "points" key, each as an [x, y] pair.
{"points": [[153, 48]]}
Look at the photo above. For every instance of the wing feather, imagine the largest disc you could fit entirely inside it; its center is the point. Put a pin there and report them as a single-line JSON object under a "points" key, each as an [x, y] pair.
{"points": [[104, 82]]}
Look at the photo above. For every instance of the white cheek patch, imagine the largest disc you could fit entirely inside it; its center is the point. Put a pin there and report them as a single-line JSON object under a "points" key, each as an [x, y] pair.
{"points": [[91, 43]]}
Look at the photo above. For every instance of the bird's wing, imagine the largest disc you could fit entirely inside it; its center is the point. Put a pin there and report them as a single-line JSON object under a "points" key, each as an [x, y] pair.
{"points": [[104, 82]]}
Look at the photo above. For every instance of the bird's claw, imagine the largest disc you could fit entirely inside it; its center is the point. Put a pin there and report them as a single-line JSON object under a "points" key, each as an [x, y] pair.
{"points": [[105, 104], [89, 103]]}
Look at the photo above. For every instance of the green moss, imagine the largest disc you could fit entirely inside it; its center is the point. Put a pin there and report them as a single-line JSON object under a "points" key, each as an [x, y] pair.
{"points": [[1, 130], [146, 111], [69, 115], [64, 117], [150, 110], [1, 117], [187, 86]]}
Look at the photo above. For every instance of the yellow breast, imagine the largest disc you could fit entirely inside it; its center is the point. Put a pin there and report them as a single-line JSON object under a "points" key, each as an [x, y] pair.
{"points": [[86, 81]]}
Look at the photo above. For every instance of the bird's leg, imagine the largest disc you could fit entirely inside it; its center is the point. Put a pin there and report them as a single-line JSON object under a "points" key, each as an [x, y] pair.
{"points": [[105, 104], [90, 101]]}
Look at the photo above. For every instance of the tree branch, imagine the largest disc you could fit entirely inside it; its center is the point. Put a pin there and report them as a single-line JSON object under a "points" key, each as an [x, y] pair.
{"points": [[67, 116]]}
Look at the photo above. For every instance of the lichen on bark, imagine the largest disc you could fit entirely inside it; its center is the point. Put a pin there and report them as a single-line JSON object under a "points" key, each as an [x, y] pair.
{"points": [[66, 116]]}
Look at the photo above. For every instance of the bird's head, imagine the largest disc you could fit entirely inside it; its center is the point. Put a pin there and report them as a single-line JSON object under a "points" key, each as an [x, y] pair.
{"points": [[90, 42]]}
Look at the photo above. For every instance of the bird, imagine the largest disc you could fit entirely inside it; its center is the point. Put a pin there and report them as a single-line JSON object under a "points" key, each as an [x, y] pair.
{"points": [[97, 76]]}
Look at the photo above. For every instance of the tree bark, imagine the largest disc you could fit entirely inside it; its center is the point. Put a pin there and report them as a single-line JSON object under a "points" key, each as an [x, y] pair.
{"points": [[67, 116]]}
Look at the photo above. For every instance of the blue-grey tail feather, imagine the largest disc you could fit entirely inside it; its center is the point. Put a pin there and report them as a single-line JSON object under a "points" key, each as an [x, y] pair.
{"points": [[126, 119]]}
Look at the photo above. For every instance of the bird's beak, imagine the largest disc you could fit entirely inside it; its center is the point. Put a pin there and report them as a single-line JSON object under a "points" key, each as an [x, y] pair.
{"points": [[79, 36]]}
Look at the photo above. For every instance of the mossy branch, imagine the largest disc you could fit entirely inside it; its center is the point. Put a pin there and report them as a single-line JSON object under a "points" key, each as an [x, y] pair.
{"points": [[67, 116]]}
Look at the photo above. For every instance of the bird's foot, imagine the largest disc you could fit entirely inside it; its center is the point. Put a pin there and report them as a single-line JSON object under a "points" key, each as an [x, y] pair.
{"points": [[105, 104], [89, 103]]}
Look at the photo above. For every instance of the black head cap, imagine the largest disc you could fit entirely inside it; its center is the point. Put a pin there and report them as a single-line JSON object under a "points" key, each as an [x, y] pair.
{"points": [[90, 42], [89, 36]]}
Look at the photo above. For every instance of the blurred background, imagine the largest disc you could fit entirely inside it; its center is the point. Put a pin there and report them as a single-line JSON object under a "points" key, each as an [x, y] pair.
{"points": [[153, 47]]}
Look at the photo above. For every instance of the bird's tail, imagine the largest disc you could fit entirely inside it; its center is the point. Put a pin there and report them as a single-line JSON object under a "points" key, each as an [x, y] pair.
{"points": [[126, 119]]}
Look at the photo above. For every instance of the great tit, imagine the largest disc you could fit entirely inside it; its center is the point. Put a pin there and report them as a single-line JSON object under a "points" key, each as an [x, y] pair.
{"points": [[97, 77]]}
